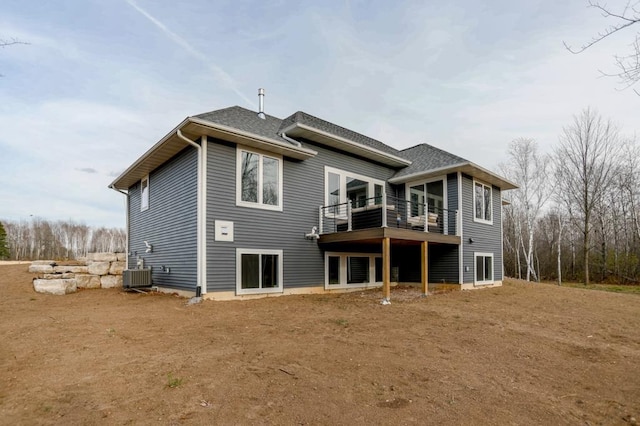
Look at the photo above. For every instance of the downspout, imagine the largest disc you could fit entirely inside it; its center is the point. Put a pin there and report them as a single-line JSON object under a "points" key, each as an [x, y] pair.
{"points": [[293, 141], [201, 288], [461, 250], [126, 248]]}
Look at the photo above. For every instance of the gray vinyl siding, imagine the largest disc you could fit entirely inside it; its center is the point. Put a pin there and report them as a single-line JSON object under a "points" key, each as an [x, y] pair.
{"points": [[169, 224], [443, 263], [405, 260], [254, 228], [487, 238], [452, 202]]}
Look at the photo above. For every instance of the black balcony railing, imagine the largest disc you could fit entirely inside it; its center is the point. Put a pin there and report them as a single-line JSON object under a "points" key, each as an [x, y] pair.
{"points": [[387, 211]]}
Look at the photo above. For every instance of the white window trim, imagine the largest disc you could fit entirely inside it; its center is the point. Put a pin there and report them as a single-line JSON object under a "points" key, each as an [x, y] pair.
{"points": [[476, 255], [261, 155], [371, 185], [239, 289], [475, 219], [144, 207], [343, 270], [408, 185]]}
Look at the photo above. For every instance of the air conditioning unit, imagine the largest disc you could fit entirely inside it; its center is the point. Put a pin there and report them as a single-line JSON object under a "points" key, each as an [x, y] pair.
{"points": [[136, 278]]}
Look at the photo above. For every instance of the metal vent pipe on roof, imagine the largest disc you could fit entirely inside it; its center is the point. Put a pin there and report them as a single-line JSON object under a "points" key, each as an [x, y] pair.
{"points": [[261, 104]]}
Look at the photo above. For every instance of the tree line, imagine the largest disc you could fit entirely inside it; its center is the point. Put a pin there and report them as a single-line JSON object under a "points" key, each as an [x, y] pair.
{"points": [[576, 213], [39, 239]]}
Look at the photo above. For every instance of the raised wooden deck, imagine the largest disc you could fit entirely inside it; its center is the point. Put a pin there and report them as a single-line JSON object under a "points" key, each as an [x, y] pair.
{"points": [[376, 235]]}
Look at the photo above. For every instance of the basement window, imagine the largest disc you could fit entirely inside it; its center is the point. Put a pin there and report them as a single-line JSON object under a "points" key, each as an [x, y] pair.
{"points": [[483, 268], [258, 271]]}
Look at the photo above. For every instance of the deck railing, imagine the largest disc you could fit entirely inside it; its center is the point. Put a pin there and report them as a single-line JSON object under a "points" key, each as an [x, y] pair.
{"points": [[398, 213]]}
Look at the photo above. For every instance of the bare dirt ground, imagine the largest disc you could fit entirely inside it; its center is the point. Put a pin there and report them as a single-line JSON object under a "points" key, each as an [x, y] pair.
{"points": [[520, 354]]}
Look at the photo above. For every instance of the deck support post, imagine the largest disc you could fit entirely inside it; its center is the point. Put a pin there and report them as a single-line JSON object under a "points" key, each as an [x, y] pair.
{"points": [[424, 260], [386, 270]]}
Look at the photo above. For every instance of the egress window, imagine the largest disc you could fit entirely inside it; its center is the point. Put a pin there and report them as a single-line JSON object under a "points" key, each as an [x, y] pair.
{"points": [[258, 271], [484, 268], [259, 180]]}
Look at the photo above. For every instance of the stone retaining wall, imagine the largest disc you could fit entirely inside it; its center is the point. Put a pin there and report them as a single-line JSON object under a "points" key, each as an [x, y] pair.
{"points": [[98, 270]]}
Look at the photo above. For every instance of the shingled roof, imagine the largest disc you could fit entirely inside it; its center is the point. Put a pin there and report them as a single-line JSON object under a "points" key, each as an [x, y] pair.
{"points": [[244, 126], [247, 120], [426, 157], [301, 117]]}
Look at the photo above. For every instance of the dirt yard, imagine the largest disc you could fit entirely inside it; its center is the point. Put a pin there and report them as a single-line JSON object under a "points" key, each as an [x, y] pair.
{"points": [[521, 354]]}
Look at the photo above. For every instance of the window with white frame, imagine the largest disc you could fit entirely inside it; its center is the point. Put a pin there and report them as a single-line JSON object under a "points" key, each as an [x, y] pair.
{"points": [[259, 179], [482, 202], [483, 268], [350, 270], [431, 193], [144, 194], [342, 187], [258, 271]]}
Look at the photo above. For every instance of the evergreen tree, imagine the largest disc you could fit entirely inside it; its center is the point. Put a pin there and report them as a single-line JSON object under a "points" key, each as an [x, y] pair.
{"points": [[4, 248]]}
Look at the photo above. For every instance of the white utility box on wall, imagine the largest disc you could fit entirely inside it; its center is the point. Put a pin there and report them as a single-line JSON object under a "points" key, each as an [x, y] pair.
{"points": [[223, 230]]}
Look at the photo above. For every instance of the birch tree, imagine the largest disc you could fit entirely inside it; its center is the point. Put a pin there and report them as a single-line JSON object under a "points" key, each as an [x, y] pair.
{"points": [[529, 170]]}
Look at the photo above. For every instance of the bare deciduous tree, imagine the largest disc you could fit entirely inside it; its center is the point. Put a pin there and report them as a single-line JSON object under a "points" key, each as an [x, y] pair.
{"points": [[628, 64], [588, 151], [528, 169], [10, 42], [42, 239]]}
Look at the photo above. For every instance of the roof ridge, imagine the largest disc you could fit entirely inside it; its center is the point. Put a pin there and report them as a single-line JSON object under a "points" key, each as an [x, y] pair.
{"points": [[235, 107], [451, 154]]}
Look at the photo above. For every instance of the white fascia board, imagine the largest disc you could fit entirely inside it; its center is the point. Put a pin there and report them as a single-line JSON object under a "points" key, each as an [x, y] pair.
{"points": [[390, 158], [266, 143], [467, 167], [427, 173]]}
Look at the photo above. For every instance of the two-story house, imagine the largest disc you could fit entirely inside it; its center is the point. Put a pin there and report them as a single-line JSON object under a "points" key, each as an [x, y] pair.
{"points": [[233, 202]]}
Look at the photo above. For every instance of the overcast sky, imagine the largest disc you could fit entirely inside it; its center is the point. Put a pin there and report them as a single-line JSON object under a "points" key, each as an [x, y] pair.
{"points": [[101, 81]]}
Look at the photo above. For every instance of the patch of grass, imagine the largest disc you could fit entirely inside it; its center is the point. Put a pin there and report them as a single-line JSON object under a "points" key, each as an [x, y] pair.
{"points": [[111, 332], [173, 382], [614, 288], [342, 322]]}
